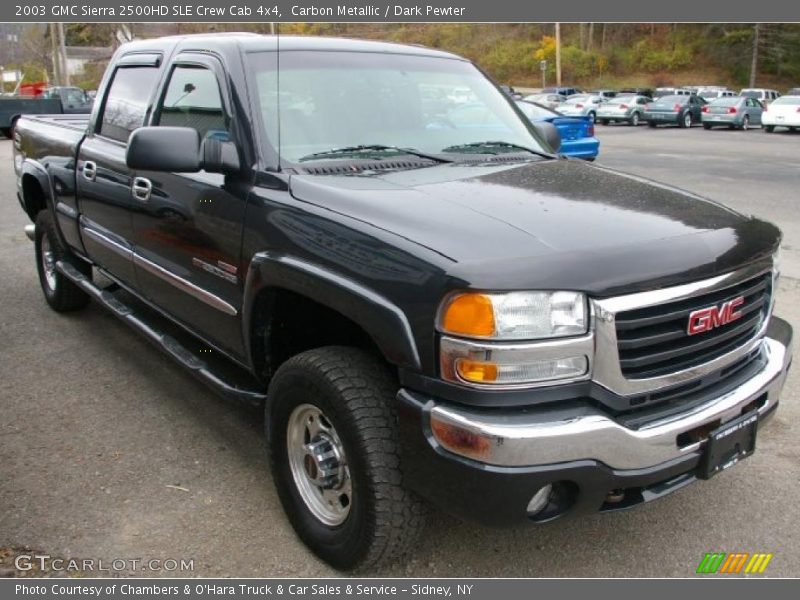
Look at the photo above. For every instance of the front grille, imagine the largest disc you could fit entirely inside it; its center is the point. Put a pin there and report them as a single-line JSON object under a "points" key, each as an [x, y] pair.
{"points": [[653, 341]]}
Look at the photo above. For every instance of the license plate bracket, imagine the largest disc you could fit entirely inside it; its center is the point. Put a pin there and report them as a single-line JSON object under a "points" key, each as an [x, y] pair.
{"points": [[729, 444]]}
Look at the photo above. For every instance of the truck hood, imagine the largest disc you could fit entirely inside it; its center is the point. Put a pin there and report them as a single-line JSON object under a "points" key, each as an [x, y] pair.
{"points": [[598, 228]]}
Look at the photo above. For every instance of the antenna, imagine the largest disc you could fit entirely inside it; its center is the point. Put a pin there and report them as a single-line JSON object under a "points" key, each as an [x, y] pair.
{"points": [[278, 86]]}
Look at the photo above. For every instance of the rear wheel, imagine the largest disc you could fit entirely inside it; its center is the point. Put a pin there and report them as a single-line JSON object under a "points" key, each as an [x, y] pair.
{"points": [[769, 128], [686, 120], [651, 125], [61, 294], [604, 121], [706, 126], [334, 451], [635, 119]]}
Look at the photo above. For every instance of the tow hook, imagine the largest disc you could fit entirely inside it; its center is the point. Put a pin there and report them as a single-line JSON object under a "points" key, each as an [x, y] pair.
{"points": [[615, 496], [30, 231]]}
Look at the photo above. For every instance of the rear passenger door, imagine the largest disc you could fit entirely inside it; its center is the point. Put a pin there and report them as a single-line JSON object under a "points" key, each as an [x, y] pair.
{"points": [[188, 226], [103, 178]]}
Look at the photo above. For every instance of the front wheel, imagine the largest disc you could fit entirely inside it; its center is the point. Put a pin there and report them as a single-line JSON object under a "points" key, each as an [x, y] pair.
{"points": [[334, 450], [592, 117], [745, 123], [769, 128], [651, 125], [603, 121], [706, 126], [60, 293]]}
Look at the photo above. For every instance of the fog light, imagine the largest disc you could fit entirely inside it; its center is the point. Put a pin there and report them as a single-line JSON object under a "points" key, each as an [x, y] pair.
{"points": [[540, 500]]}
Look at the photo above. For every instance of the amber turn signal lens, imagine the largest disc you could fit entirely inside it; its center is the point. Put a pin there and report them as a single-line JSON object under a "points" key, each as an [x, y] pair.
{"points": [[459, 440], [476, 371], [469, 314]]}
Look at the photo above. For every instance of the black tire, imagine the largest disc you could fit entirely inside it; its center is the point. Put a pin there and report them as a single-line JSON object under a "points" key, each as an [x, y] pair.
{"points": [[685, 120], [61, 294], [745, 123], [769, 128], [355, 393], [651, 125], [635, 119], [6, 131], [706, 126], [603, 121]]}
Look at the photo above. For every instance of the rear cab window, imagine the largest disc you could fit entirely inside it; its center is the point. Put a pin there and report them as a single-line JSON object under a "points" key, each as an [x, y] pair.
{"points": [[127, 101]]}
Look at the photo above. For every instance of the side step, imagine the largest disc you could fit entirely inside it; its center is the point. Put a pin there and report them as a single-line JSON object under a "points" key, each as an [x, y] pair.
{"points": [[166, 343]]}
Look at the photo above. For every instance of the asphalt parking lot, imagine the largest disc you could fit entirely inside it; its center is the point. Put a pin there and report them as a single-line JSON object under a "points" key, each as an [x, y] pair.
{"points": [[109, 451]]}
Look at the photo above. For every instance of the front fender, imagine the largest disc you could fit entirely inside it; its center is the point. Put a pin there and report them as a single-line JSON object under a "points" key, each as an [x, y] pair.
{"points": [[384, 321]]}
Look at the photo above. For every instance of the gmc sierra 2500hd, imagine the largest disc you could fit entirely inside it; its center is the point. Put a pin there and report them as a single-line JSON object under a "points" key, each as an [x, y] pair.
{"points": [[429, 303]]}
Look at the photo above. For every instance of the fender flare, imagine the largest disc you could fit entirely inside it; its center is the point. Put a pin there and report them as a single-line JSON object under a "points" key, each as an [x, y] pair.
{"points": [[36, 170], [383, 321]]}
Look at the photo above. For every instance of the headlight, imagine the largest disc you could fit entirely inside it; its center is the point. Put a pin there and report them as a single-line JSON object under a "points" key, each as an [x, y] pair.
{"points": [[514, 315]]}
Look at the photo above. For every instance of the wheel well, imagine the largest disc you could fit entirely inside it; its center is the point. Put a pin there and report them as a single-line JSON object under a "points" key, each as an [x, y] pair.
{"points": [[286, 323], [33, 196]]}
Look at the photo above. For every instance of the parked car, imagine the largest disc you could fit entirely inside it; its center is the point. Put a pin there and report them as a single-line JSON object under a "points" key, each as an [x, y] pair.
{"points": [[709, 94], [680, 110], [627, 109], [605, 94], [793, 92], [670, 91], [581, 105], [74, 101], [49, 101], [424, 312], [763, 95], [782, 112], [738, 112], [511, 92], [566, 91], [577, 133], [549, 100], [637, 91]]}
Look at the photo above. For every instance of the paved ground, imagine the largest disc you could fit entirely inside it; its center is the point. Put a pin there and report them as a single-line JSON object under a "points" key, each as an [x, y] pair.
{"points": [[96, 425]]}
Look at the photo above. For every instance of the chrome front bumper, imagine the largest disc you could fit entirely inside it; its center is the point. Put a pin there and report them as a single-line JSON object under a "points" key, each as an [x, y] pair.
{"points": [[562, 435]]}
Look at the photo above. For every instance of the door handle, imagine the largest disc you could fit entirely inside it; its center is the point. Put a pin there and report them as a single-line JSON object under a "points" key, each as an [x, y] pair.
{"points": [[89, 170], [141, 188]]}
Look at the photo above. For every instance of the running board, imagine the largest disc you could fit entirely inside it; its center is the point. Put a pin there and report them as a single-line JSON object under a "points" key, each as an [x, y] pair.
{"points": [[166, 343]]}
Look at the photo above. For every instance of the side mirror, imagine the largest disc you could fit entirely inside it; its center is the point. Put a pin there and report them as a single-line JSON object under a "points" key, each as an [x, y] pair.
{"points": [[550, 134], [171, 149], [180, 150]]}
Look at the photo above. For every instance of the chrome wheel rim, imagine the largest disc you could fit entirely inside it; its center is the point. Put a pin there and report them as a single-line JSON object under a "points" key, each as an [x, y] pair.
{"points": [[688, 120], [48, 263], [319, 465], [746, 124]]}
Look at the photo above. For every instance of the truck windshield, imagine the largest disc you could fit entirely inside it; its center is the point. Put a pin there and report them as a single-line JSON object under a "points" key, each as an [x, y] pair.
{"points": [[327, 102]]}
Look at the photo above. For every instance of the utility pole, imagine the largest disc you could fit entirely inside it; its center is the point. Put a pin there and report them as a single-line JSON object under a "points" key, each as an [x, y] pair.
{"points": [[558, 54], [62, 52], [56, 54], [754, 63]]}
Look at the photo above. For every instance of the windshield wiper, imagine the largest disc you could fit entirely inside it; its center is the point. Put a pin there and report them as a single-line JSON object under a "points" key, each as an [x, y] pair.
{"points": [[479, 147], [367, 148]]}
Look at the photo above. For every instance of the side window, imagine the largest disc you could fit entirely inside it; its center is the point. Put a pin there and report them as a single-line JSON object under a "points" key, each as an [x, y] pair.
{"points": [[126, 101], [193, 100]]}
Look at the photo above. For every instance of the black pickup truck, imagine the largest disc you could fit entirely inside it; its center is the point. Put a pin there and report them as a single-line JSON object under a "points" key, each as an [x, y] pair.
{"points": [[431, 305]]}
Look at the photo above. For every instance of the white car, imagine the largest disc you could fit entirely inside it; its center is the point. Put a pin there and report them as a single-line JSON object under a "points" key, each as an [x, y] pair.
{"points": [[782, 112], [581, 105]]}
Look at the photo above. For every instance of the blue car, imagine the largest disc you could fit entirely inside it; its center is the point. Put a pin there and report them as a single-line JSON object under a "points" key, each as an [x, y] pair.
{"points": [[577, 133]]}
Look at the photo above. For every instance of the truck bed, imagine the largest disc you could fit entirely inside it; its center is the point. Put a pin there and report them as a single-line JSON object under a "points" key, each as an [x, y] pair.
{"points": [[74, 122]]}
